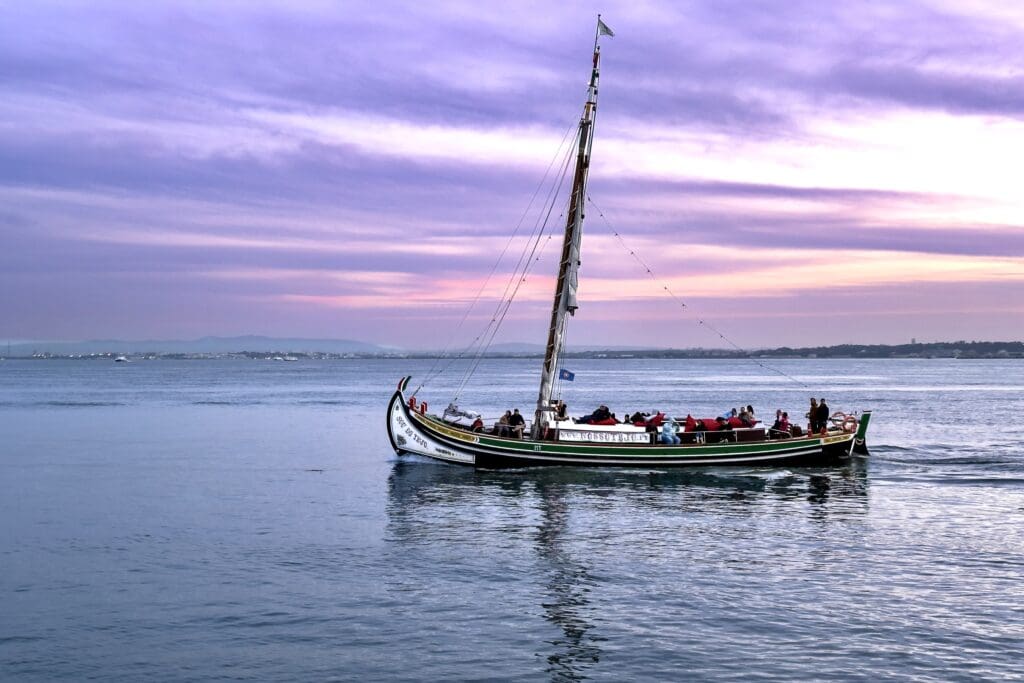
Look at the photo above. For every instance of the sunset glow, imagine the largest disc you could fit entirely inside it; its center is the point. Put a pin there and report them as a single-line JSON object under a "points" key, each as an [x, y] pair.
{"points": [[840, 173]]}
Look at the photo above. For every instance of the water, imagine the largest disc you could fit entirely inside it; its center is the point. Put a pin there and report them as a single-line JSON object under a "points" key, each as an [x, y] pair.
{"points": [[168, 520]]}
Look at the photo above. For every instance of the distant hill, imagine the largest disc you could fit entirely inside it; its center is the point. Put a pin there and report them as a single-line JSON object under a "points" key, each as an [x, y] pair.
{"points": [[273, 345], [516, 347], [527, 348], [957, 349], [203, 345]]}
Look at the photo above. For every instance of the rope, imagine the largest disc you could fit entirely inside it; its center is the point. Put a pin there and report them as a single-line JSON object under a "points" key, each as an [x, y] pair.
{"points": [[505, 306], [430, 375], [527, 259], [683, 304]]}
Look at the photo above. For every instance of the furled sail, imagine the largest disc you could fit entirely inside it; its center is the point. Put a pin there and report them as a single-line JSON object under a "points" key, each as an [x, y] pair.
{"points": [[567, 286]]}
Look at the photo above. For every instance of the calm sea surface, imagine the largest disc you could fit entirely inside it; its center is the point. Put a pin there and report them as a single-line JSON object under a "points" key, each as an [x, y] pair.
{"points": [[203, 520]]}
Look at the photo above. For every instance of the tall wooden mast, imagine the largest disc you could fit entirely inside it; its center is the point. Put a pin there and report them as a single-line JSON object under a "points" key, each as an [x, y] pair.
{"points": [[565, 288]]}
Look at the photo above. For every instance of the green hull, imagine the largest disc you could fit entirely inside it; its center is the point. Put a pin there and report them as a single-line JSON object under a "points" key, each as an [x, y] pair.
{"points": [[412, 432]]}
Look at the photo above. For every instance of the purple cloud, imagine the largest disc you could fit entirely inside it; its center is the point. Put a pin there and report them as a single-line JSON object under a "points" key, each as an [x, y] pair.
{"points": [[147, 153]]}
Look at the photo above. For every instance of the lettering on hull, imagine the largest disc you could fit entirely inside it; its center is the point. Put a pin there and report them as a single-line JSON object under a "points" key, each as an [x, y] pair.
{"points": [[580, 435], [415, 442]]}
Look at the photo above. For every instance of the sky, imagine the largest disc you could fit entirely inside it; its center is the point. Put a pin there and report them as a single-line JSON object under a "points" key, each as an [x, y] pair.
{"points": [[795, 173]]}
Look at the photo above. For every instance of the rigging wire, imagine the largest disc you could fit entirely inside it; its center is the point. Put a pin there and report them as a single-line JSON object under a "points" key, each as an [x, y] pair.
{"points": [[506, 304], [527, 259], [683, 304], [430, 373], [483, 340]]}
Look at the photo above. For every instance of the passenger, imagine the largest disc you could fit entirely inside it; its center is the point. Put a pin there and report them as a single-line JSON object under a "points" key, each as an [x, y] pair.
{"points": [[723, 423], [780, 429], [561, 411], [823, 415], [668, 432], [602, 413], [812, 417], [747, 418], [516, 424], [478, 425], [502, 428]]}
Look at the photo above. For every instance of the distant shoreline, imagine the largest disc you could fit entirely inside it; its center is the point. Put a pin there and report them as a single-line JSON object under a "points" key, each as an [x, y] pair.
{"points": [[960, 350]]}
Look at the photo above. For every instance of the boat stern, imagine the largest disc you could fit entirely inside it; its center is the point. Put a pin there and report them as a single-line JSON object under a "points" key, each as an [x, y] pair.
{"points": [[860, 445]]}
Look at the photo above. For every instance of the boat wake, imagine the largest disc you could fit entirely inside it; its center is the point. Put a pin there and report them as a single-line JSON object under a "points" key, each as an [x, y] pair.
{"points": [[975, 465]]}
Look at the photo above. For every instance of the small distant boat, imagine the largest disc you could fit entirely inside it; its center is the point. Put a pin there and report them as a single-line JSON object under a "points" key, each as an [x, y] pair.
{"points": [[459, 436], [122, 359], [290, 359]]}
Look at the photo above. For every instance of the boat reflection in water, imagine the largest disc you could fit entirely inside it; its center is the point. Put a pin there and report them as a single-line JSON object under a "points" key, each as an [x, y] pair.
{"points": [[571, 540], [568, 586]]}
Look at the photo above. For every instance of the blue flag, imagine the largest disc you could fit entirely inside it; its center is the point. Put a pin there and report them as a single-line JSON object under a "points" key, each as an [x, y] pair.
{"points": [[566, 375]]}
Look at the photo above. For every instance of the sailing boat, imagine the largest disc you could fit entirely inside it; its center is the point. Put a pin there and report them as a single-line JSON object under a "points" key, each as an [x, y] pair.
{"points": [[457, 436]]}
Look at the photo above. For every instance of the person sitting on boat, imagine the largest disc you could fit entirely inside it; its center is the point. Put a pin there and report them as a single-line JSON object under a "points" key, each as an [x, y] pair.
{"points": [[784, 423], [502, 427], [561, 411], [600, 415], [516, 424], [723, 423], [478, 425], [746, 416], [780, 428], [638, 418], [668, 432]]}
